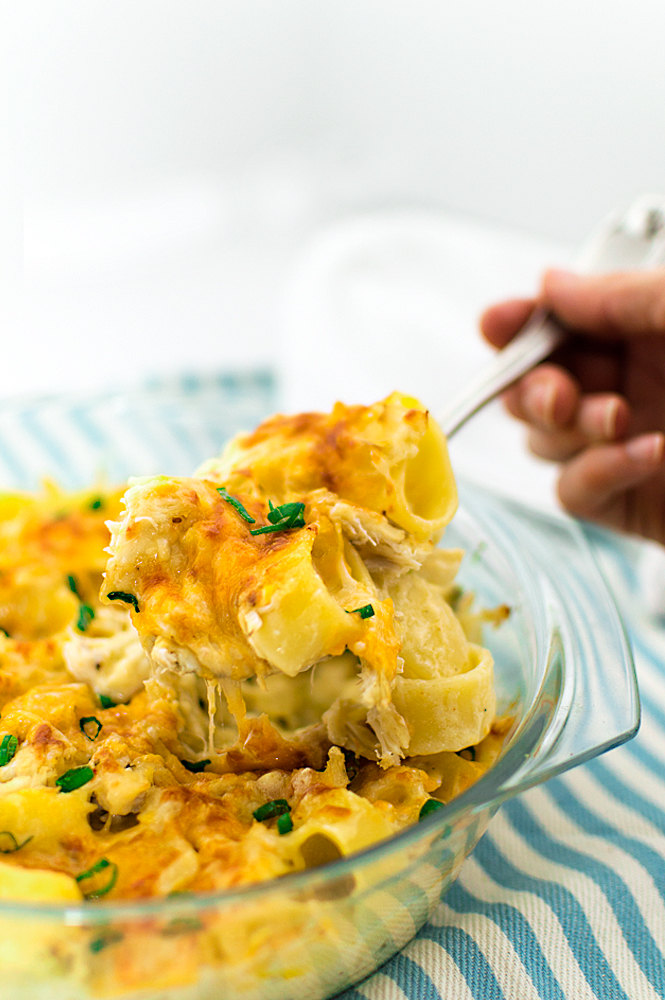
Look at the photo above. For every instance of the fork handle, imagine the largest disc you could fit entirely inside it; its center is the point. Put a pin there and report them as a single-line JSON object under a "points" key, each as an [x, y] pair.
{"points": [[541, 335], [630, 240]]}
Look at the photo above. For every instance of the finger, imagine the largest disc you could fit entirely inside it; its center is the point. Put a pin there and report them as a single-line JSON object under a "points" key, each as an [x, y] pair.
{"points": [[603, 417], [612, 305], [562, 421], [547, 397], [556, 446], [600, 420], [590, 482], [598, 366], [501, 322]]}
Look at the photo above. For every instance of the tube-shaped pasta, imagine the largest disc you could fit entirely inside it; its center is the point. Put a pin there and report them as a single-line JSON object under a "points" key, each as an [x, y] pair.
{"points": [[390, 458], [448, 713]]}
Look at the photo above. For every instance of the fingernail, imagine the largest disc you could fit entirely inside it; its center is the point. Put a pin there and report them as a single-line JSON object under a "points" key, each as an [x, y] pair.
{"points": [[562, 277], [610, 419], [647, 449], [539, 401]]}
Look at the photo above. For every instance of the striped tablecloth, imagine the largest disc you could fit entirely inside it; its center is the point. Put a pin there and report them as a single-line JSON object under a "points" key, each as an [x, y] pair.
{"points": [[564, 896]]}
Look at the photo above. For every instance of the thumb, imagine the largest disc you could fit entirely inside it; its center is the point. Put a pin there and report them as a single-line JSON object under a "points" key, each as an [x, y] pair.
{"points": [[624, 304]]}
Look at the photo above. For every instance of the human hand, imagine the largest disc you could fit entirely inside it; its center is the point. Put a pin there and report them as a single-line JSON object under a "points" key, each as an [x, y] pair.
{"points": [[598, 407]]}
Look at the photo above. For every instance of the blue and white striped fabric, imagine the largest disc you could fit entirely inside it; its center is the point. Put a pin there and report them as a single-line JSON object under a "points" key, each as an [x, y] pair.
{"points": [[564, 896], [168, 426]]}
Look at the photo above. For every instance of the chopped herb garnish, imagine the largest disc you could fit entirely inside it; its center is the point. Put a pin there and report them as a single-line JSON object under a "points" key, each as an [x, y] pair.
{"points": [[120, 595], [225, 495], [271, 809], [14, 844], [76, 777], [182, 925], [4, 631], [288, 511], [99, 866], [478, 552], [454, 596], [283, 518], [8, 748], [87, 724], [267, 529], [110, 936], [86, 614], [106, 702], [429, 807], [367, 611], [284, 823], [96, 503], [351, 763], [195, 766], [71, 583]]}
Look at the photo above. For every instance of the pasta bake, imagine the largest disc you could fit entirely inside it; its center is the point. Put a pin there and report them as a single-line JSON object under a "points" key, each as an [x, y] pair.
{"points": [[216, 680]]}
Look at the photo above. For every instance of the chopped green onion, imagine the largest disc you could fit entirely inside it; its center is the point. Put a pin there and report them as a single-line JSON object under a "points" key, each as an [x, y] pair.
{"points": [[86, 614], [283, 518], [96, 503], [182, 925], [284, 823], [99, 866], [287, 511], [108, 937], [71, 583], [367, 611], [106, 702], [351, 763], [282, 526], [83, 726], [454, 596], [267, 529], [271, 809], [76, 777], [8, 748], [120, 595], [293, 512], [478, 552], [15, 846], [430, 806], [195, 766], [225, 495]]}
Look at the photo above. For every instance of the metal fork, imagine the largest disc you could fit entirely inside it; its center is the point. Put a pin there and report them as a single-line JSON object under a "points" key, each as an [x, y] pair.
{"points": [[632, 240]]}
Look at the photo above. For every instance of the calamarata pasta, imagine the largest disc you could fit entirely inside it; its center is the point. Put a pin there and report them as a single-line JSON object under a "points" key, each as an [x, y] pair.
{"points": [[216, 680]]}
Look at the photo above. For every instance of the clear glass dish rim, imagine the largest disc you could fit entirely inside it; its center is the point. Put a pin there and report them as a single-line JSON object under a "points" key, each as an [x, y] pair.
{"points": [[480, 796]]}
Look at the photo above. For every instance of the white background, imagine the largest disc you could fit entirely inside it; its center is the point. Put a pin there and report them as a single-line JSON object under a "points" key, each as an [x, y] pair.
{"points": [[184, 167]]}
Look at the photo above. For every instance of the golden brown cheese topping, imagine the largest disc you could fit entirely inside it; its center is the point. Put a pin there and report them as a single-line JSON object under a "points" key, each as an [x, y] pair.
{"points": [[287, 551], [353, 689], [390, 458]]}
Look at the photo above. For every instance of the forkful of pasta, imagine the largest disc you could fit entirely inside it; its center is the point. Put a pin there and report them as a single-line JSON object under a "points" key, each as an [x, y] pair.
{"points": [[307, 553]]}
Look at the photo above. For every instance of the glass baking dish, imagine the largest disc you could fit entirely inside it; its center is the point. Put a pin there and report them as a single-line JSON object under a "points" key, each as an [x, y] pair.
{"points": [[564, 673]]}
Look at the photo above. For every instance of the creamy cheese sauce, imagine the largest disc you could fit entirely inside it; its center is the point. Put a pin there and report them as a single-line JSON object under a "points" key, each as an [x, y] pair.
{"points": [[234, 698]]}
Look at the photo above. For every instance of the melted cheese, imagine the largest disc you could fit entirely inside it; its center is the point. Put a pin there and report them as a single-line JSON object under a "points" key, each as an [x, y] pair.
{"points": [[319, 706], [212, 598], [390, 458]]}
